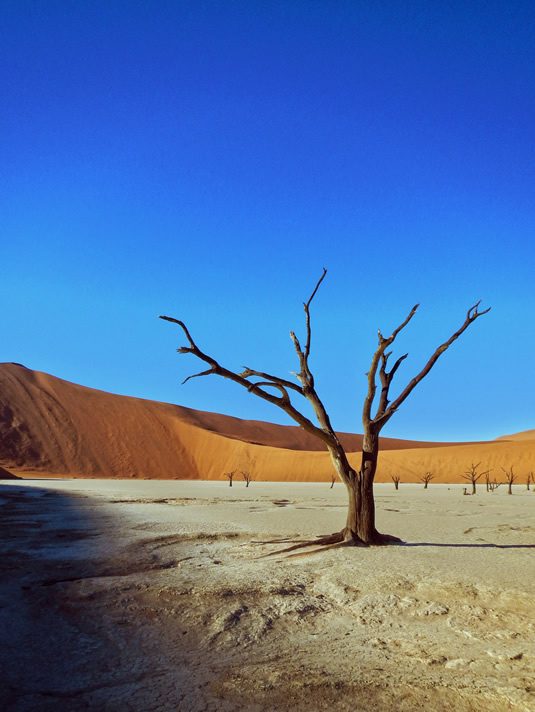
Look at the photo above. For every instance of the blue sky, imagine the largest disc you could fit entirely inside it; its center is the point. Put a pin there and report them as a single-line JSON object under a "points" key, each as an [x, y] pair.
{"points": [[207, 159]]}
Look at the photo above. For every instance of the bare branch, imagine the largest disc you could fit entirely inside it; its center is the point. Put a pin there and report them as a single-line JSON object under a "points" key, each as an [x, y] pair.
{"points": [[193, 348], [307, 312], [378, 356], [404, 324], [305, 374], [316, 288], [248, 373], [386, 379], [182, 325], [396, 365], [473, 313], [196, 375], [302, 375], [285, 397], [471, 316], [324, 433]]}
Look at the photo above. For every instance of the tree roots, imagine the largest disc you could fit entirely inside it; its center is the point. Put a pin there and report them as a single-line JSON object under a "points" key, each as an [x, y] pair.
{"points": [[346, 537]]}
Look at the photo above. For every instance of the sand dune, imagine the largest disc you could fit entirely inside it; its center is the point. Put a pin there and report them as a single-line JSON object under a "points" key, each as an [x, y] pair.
{"points": [[48, 425], [524, 435]]}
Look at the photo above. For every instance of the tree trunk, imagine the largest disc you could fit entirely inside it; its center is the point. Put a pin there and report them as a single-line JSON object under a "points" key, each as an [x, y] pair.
{"points": [[360, 522], [473, 487], [366, 524]]}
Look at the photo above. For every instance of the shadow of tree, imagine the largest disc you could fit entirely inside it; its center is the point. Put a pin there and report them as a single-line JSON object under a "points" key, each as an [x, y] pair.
{"points": [[471, 546]]}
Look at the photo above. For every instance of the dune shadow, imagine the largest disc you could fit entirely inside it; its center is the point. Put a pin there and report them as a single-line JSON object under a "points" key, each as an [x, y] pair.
{"points": [[58, 648], [46, 536]]}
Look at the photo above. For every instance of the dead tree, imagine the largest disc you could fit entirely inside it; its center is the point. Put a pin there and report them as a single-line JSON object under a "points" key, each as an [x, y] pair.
{"points": [[396, 479], [230, 476], [510, 477], [529, 480], [333, 480], [248, 468], [426, 479], [247, 476], [472, 476], [491, 486], [360, 523]]}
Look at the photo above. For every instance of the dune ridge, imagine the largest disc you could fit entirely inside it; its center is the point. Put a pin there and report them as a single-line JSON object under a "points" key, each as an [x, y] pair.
{"points": [[52, 426]]}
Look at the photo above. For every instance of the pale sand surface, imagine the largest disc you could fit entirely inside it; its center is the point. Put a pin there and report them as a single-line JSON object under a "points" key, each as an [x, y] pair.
{"points": [[152, 595]]}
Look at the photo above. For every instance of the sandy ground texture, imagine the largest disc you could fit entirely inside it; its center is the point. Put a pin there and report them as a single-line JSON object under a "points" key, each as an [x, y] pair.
{"points": [[152, 596]]}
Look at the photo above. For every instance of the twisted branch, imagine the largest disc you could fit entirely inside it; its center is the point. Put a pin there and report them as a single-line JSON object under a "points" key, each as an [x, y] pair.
{"points": [[275, 380], [471, 315], [372, 373], [325, 431], [384, 409]]}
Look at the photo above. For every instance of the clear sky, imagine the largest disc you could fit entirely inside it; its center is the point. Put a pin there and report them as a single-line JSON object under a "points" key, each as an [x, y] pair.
{"points": [[206, 159]]}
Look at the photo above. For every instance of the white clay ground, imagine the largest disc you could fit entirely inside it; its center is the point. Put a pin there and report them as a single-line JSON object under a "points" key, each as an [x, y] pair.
{"points": [[121, 595]]}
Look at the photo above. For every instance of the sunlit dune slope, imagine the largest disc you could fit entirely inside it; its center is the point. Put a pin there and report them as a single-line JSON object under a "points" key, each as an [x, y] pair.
{"points": [[48, 425], [449, 464], [524, 435]]}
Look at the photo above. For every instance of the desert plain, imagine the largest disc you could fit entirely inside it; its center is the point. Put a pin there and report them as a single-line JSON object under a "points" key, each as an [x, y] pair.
{"points": [[160, 595], [134, 578]]}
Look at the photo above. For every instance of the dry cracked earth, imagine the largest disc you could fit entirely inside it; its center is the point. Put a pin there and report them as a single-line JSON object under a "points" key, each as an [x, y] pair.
{"points": [[100, 610]]}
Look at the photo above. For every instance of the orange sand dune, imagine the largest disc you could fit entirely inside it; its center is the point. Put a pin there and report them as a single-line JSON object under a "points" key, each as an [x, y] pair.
{"points": [[449, 464], [524, 435], [48, 425]]}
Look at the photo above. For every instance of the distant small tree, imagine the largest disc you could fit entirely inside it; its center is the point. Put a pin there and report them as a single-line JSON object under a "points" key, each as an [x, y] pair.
{"points": [[491, 486], [230, 476], [529, 480], [247, 476], [396, 479], [426, 479], [510, 477], [333, 480], [472, 476]]}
